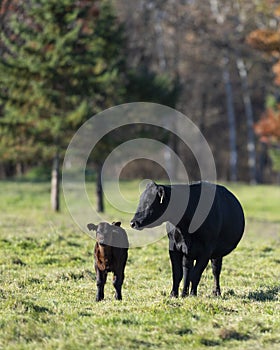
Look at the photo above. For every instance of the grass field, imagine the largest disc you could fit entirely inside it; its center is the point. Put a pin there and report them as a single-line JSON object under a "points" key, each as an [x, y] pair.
{"points": [[47, 287]]}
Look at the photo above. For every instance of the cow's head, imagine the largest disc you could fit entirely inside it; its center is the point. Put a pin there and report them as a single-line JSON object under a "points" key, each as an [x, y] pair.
{"points": [[106, 234], [152, 205]]}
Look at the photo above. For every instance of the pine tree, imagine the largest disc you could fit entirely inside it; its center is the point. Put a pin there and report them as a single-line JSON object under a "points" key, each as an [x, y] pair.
{"points": [[60, 64]]}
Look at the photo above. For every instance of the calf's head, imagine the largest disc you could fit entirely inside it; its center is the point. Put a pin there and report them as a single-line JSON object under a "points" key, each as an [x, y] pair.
{"points": [[110, 234], [151, 207], [105, 232]]}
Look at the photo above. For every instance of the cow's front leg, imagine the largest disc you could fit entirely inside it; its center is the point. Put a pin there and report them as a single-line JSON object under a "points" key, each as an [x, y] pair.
{"points": [[177, 271], [117, 283], [101, 277], [216, 269], [187, 269], [196, 273]]}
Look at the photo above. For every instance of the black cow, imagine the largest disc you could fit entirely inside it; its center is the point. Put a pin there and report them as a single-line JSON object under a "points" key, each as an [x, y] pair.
{"points": [[196, 232], [110, 255]]}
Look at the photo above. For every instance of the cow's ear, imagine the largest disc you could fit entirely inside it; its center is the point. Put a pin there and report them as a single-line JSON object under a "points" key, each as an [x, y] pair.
{"points": [[116, 223], [91, 227], [151, 184], [161, 193]]}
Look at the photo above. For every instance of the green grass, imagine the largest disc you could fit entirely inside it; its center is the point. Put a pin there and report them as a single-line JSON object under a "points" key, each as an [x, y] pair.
{"points": [[261, 202], [47, 288]]}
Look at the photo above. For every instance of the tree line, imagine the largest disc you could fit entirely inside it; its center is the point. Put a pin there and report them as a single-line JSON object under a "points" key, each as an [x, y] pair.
{"points": [[225, 83], [62, 62]]}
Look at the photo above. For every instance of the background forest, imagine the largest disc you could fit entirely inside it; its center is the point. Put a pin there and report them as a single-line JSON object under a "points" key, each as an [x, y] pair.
{"points": [[62, 62]]}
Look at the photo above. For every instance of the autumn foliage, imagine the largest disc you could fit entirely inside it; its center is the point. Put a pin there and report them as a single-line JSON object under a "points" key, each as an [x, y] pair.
{"points": [[268, 127], [264, 40], [268, 41]]}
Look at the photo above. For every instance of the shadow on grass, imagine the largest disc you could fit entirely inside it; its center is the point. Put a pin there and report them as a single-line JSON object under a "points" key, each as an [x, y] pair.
{"points": [[143, 343], [268, 294]]}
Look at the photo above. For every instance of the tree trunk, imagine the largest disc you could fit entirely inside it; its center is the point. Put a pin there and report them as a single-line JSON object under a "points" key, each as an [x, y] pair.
{"points": [[171, 161], [55, 182], [19, 169], [263, 155], [160, 40], [251, 147], [99, 190], [231, 122], [203, 111], [220, 18]]}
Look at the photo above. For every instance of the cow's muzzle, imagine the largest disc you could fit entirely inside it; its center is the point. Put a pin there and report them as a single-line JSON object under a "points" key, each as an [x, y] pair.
{"points": [[135, 224]]}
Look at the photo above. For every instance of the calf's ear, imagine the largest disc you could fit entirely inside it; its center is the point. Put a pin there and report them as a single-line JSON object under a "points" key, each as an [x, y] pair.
{"points": [[91, 227], [116, 223], [161, 193]]}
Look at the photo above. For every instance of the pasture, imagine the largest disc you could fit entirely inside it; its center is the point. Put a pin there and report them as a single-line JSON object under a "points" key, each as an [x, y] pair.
{"points": [[47, 288]]}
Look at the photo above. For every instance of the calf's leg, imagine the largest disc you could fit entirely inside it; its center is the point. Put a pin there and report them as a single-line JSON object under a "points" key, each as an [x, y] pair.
{"points": [[187, 268], [117, 283], [101, 277], [177, 271], [216, 269]]}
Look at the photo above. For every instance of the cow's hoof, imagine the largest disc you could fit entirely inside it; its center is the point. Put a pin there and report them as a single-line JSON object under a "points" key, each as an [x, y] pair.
{"points": [[184, 294], [173, 295], [118, 297], [217, 293]]}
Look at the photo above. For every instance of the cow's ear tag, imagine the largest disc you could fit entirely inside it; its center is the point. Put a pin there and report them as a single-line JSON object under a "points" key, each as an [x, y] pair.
{"points": [[161, 193]]}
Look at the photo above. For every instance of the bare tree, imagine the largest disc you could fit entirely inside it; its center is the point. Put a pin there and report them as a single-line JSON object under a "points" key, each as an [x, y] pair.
{"points": [[251, 147], [229, 97]]}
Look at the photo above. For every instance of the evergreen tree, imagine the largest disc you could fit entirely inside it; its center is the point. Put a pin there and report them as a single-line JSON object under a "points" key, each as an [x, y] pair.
{"points": [[60, 64]]}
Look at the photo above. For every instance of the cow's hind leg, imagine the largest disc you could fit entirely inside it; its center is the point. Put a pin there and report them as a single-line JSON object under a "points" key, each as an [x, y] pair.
{"points": [[187, 268], [196, 273], [216, 269], [177, 271]]}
